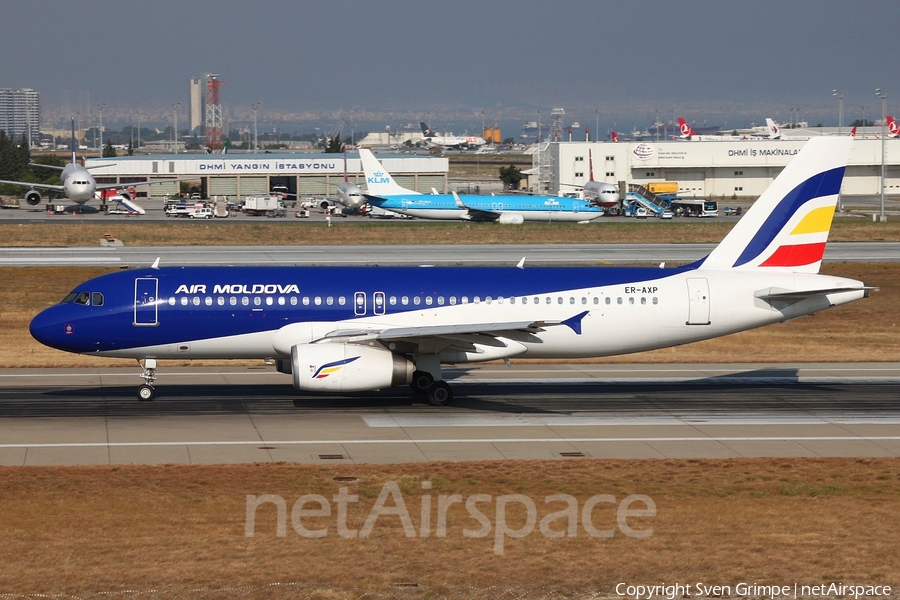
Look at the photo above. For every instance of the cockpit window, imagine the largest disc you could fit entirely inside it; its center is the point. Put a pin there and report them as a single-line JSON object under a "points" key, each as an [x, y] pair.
{"points": [[97, 299], [83, 298], [70, 297]]}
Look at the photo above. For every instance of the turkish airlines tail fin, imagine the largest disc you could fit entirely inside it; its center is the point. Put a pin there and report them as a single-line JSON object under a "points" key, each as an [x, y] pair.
{"points": [[686, 130], [893, 127]]}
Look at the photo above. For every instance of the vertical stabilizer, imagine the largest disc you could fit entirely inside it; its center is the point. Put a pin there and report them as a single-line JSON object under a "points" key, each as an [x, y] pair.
{"points": [[788, 226], [774, 132], [378, 181], [74, 143]]}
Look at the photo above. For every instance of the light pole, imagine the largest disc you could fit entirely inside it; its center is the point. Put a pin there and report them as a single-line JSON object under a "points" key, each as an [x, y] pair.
{"points": [[255, 128], [864, 115], [175, 108], [100, 108], [882, 93], [139, 128], [596, 121], [839, 94]]}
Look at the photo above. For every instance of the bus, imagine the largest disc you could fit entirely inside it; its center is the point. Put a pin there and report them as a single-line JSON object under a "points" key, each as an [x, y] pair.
{"points": [[695, 208]]}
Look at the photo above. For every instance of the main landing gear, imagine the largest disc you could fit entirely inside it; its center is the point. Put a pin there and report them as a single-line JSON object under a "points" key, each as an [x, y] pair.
{"points": [[146, 392], [437, 393]]}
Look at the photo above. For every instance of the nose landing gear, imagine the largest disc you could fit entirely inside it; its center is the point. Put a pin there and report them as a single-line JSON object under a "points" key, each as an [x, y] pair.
{"points": [[147, 392]]}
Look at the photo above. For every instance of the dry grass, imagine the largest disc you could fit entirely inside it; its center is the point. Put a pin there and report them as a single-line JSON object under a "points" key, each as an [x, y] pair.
{"points": [[861, 331], [186, 232], [105, 529]]}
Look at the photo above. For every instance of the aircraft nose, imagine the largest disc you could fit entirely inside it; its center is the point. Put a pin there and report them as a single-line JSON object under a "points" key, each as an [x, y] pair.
{"points": [[51, 328]]}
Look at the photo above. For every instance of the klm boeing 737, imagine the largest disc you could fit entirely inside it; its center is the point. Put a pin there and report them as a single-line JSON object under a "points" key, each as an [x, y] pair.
{"points": [[351, 329], [386, 193]]}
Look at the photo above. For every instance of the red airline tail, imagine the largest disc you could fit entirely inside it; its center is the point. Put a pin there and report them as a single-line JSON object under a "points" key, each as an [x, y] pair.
{"points": [[614, 136], [893, 127], [686, 130], [591, 165], [853, 132]]}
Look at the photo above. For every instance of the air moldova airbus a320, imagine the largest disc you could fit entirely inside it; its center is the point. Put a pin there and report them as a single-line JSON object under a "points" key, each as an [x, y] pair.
{"points": [[350, 329]]}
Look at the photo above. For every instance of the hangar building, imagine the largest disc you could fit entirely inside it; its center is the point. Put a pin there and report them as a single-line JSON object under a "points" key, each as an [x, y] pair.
{"points": [[708, 169], [240, 175]]}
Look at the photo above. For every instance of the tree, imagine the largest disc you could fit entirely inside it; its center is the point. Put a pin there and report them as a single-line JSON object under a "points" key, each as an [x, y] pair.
{"points": [[130, 151], [108, 150], [509, 141], [862, 123], [334, 145], [510, 176]]}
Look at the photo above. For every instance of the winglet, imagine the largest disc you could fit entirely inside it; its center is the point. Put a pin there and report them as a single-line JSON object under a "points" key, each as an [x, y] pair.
{"points": [[521, 264], [459, 202], [155, 264], [574, 323]]}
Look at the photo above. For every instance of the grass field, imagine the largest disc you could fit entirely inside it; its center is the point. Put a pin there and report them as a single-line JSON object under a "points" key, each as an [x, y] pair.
{"points": [[180, 531], [70, 231]]}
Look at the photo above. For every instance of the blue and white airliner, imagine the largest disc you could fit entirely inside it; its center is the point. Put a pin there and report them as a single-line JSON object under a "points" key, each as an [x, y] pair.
{"points": [[350, 329], [382, 191]]}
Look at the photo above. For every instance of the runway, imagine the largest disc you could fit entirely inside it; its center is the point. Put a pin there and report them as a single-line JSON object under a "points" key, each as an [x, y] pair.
{"points": [[431, 254], [527, 411]]}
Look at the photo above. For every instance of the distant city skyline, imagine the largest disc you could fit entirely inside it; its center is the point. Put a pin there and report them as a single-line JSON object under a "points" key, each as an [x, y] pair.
{"points": [[400, 62]]}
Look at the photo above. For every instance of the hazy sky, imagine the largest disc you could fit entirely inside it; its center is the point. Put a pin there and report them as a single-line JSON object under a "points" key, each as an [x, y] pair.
{"points": [[699, 56]]}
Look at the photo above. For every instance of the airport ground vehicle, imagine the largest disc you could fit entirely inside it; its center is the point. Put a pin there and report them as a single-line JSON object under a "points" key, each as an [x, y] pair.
{"points": [[201, 213], [262, 205]]}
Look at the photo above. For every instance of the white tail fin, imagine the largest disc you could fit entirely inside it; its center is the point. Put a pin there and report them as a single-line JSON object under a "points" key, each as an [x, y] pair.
{"points": [[788, 226], [774, 132], [378, 181]]}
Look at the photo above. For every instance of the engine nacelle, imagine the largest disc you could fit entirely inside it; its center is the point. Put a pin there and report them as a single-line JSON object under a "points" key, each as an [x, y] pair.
{"points": [[33, 198], [347, 368], [511, 219]]}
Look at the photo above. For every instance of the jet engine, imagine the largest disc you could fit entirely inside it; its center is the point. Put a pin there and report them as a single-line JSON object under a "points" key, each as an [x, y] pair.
{"points": [[33, 198], [511, 219], [347, 368]]}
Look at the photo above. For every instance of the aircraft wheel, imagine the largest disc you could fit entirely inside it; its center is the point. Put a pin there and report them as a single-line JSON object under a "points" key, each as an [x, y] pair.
{"points": [[421, 381], [440, 394], [146, 393]]}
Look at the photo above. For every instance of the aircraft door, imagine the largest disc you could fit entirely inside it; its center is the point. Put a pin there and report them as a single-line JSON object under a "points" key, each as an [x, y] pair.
{"points": [[359, 303], [145, 302], [378, 301], [698, 301]]}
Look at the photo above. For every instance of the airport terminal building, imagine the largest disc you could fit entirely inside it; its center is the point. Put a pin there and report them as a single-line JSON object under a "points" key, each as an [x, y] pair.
{"points": [[740, 169], [239, 175]]}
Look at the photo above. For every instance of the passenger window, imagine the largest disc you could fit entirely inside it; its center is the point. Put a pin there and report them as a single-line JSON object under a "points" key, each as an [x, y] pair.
{"points": [[305, 300], [452, 300], [245, 301], [608, 300], [280, 300], [476, 300], [596, 300], [571, 299], [559, 300], [172, 301], [417, 300], [257, 301], [404, 300], [207, 301], [220, 301], [269, 300], [329, 300], [195, 301], [293, 300], [619, 300], [184, 301], [342, 301], [428, 300], [547, 300], [631, 300], [317, 301], [643, 301], [232, 301], [440, 300], [97, 299], [488, 299], [392, 300], [512, 300], [655, 301]]}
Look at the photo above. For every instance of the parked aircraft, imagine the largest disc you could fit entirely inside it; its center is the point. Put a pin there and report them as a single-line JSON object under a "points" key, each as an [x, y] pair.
{"points": [[351, 329], [350, 194], [893, 127], [78, 185], [775, 132], [385, 193], [451, 141], [599, 193], [688, 134]]}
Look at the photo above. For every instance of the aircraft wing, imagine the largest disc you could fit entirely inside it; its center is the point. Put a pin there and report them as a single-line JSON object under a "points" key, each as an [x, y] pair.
{"points": [[40, 186], [476, 214], [443, 336]]}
